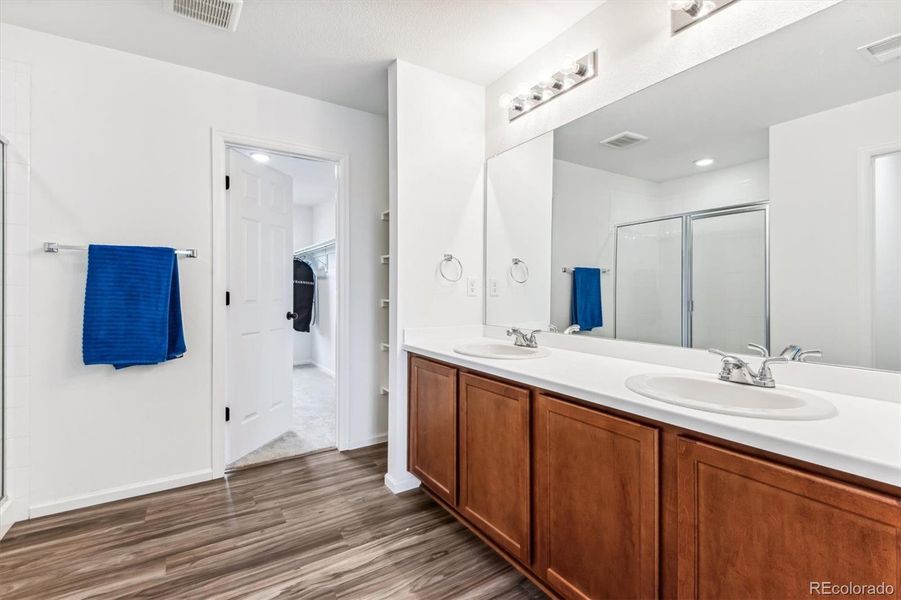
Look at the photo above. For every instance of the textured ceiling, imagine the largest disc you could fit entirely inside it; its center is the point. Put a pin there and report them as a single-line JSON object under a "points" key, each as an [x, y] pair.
{"points": [[334, 50], [723, 108]]}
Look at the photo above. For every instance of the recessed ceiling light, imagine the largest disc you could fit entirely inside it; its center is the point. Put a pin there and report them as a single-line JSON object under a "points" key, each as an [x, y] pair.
{"points": [[260, 157], [704, 162]]}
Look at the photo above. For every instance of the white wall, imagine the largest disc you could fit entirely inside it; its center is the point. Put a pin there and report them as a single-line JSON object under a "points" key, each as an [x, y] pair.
{"points": [[518, 213], [120, 151], [814, 221], [636, 50], [589, 203], [437, 144]]}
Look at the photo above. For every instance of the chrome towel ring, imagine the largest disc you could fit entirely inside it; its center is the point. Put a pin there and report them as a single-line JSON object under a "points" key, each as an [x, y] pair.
{"points": [[450, 258], [524, 268]]}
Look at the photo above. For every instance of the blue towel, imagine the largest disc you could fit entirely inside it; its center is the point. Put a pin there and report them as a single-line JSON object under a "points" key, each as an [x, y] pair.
{"points": [[132, 307], [586, 298]]}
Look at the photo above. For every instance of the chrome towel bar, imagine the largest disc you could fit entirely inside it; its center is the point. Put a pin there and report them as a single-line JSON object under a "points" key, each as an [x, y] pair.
{"points": [[54, 248]]}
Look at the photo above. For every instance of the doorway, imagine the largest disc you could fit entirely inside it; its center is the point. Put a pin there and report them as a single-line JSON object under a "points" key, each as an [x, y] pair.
{"points": [[282, 267]]}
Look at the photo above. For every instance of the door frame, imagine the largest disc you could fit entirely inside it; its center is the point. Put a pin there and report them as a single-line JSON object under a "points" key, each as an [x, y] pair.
{"points": [[866, 255], [220, 141]]}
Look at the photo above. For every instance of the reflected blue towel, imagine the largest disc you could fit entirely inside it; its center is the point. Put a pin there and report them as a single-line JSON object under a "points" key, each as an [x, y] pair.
{"points": [[586, 309], [132, 307]]}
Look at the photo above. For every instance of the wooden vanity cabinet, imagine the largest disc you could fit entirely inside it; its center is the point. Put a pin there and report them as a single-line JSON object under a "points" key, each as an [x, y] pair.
{"points": [[751, 528], [589, 504], [432, 435], [596, 502], [494, 462]]}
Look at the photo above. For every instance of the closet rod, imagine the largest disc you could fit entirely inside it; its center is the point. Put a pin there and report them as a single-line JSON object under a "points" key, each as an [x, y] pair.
{"points": [[54, 248], [315, 248]]}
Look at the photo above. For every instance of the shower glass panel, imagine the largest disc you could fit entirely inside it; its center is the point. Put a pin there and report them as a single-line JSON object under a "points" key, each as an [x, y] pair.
{"points": [[729, 280], [649, 282], [2, 318]]}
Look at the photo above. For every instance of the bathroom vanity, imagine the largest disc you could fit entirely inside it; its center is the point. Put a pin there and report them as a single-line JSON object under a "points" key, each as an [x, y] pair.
{"points": [[591, 501]]}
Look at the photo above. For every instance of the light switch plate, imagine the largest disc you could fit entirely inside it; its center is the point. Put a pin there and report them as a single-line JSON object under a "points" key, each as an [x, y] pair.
{"points": [[492, 287], [472, 286]]}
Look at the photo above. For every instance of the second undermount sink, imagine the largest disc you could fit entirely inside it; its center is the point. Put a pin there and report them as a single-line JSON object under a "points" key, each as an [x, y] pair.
{"points": [[500, 350], [712, 395]]}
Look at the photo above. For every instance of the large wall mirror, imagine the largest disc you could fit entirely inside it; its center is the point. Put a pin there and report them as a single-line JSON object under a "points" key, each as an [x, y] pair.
{"points": [[755, 198]]}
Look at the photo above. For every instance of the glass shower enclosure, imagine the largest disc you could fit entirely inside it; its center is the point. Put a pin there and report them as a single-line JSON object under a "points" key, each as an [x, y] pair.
{"points": [[697, 279]]}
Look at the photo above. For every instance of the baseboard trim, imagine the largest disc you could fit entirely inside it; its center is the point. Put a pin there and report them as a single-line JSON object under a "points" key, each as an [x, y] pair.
{"points": [[379, 439], [119, 493], [404, 483]]}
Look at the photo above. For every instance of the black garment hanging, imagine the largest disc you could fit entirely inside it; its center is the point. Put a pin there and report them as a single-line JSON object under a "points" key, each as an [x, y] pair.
{"points": [[304, 292]]}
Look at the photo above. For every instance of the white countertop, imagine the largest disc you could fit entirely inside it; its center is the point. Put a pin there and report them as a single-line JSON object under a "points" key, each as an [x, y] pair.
{"points": [[864, 438]]}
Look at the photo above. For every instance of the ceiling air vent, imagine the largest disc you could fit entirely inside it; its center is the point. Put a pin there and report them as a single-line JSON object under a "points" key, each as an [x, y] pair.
{"points": [[885, 49], [221, 14], [626, 139]]}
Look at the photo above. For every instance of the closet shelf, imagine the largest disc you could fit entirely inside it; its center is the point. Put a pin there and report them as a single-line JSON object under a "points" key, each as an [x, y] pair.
{"points": [[315, 248]]}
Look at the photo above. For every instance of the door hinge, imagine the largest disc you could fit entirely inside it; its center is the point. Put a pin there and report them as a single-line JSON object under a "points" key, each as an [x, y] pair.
{"points": [[228, 182], [228, 298], [228, 414]]}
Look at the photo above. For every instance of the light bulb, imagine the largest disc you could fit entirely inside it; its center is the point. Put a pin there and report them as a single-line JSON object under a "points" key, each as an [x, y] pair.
{"points": [[704, 162], [570, 65], [706, 8], [504, 100], [260, 157]]}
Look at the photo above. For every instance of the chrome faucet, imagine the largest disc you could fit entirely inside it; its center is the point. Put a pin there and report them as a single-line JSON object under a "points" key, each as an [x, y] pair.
{"points": [[572, 329], [523, 339], [736, 370], [795, 353]]}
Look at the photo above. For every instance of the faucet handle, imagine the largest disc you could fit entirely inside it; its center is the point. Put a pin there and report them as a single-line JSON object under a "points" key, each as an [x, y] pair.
{"points": [[761, 350], [725, 355], [805, 354]]}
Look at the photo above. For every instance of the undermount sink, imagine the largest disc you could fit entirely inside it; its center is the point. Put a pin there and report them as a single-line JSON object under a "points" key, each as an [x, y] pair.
{"points": [[712, 395], [500, 350]]}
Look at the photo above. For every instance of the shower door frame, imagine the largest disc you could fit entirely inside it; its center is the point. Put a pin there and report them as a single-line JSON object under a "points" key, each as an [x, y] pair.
{"points": [[686, 219]]}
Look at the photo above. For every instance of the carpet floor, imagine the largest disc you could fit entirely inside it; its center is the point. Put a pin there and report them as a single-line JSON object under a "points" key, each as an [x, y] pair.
{"points": [[313, 420]]}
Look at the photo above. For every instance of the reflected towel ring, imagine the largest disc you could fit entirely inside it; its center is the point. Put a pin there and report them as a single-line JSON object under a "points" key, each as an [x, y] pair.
{"points": [[518, 262], [450, 258]]}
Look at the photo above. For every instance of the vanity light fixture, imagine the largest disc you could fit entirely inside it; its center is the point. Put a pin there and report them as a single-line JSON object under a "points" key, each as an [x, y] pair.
{"points": [[260, 157], [704, 162], [688, 12], [573, 73]]}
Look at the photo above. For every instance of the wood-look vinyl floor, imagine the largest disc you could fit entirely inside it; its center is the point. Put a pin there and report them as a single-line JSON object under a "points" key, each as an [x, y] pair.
{"points": [[318, 526]]}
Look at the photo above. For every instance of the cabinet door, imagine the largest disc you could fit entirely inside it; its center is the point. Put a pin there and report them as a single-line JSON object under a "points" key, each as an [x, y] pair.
{"points": [[749, 528], [433, 427], [596, 502], [494, 461]]}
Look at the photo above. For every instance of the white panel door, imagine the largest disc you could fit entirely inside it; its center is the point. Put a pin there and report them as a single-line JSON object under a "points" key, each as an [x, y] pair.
{"points": [[260, 334]]}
